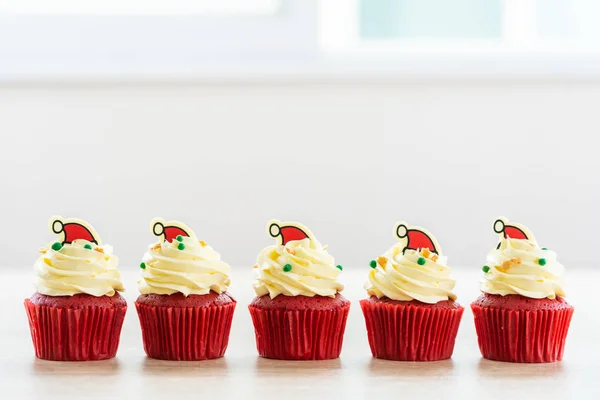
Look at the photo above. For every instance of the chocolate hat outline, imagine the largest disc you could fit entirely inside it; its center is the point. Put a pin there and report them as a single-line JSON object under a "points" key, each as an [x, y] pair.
{"points": [[512, 230], [169, 230], [72, 229], [509, 231], [286, 232], [417, 238]]}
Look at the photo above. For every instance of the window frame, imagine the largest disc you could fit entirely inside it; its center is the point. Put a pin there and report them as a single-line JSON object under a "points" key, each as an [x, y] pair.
{"points": [[306, 40], [76, 46]]}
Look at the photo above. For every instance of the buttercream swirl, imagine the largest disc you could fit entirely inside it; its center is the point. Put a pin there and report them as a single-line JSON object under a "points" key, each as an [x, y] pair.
{"points": [[399, 276], [196, 269], [313, 270], [76, 269], [515, 268]]}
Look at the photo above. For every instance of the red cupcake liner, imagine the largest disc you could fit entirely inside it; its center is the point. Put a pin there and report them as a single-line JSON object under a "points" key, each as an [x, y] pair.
{"points": [[65, 334], [185, 333], [410, 333], [299, 334], [522, 336]]}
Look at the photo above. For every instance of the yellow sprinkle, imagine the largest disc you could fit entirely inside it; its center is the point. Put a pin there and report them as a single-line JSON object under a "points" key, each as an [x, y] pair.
{"points": [[540, 280], [43, 250], [382, 261], [434, 258], [509, 263], [425, 252], [99, 249], [47, 261], [255, 266], [203, 243]]}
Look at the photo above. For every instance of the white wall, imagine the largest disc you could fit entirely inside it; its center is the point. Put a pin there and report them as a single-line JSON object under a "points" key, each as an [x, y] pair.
{"points": [[348, 160]]}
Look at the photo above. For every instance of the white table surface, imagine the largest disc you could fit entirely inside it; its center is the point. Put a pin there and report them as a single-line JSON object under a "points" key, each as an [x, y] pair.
{"points": [[242, 374]]}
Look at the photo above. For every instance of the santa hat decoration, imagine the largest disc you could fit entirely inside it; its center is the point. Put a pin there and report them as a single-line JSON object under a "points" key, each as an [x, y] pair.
{"points": [[169, 230], [512, 230], [288, 231], [416, 238], [72, 229]]}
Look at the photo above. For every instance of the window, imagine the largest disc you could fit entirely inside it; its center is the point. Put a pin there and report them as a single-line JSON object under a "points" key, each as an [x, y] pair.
{"points": [[236, 38], [433, 19], [291, 38], [145, 7], [475, 25]]}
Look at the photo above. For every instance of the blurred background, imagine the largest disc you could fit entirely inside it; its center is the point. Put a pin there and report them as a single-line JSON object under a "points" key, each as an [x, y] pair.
{"points": [[346, 115]]}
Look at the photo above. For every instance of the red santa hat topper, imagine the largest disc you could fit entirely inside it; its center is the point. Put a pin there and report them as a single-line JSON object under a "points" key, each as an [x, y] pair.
{"points": [[416, 238], [512, 230], [71, 229], [288, 231], [169, 230]]}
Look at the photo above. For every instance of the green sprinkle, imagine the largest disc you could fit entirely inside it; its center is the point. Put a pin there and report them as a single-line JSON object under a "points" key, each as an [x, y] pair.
{"points": [[181, 246], [56, 246], [542, 261], [544, 248], [87, 246], [373, 264], [287, 267], [485, 269], [421, 261], [179, 238], [339, 267], [143, 265]]}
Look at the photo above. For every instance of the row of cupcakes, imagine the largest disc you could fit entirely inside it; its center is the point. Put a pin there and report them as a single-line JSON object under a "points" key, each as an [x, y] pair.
{"points": [[185, 311]]}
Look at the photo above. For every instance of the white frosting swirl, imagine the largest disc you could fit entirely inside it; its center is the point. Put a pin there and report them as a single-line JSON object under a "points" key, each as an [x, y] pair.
{"points": [[197, 269], [399, 276], [76, 269], [313, 271], [515, 268]]}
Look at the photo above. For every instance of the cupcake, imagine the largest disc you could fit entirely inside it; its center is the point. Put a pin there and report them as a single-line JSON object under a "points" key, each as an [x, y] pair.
{"points": [[184, 309], [521, 315], [299, 313], [411, 313], [76, 314]]}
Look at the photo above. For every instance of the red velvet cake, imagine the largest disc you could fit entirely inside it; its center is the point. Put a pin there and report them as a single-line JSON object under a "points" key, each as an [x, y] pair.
{"points": [[411, 314], [299, 313], [76, 313], [184, 310], [515, 328], [299, 327], [522, 315]]}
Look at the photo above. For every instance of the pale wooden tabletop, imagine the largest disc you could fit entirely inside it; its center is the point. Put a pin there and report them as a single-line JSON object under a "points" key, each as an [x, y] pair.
{"points": [[241, 374]]}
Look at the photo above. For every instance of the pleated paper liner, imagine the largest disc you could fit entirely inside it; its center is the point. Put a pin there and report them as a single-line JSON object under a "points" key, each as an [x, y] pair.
{"points": [[522, 336], [64, 334], [299, 334], [409, 332], [185, 333]]}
